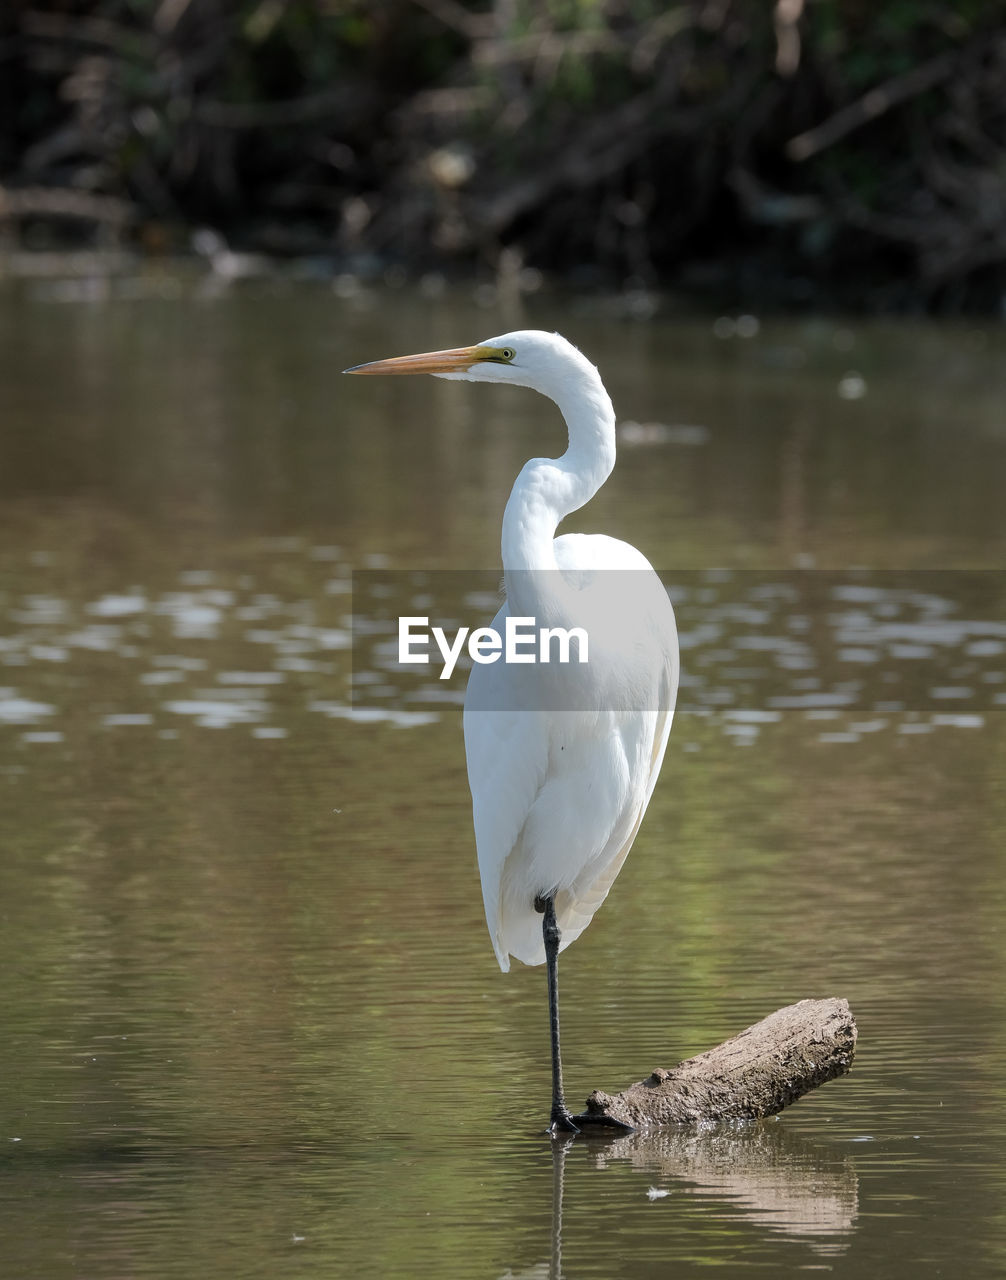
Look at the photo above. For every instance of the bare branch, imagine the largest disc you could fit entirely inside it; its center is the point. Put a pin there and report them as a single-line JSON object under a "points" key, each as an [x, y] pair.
{"points": [[28, 202], [871, 106]]}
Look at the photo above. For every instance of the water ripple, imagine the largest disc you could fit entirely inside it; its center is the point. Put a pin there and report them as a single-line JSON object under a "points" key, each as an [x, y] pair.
{"points": [[927, 649]]}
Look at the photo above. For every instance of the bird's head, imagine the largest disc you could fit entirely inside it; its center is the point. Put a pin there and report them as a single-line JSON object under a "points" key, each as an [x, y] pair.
{"points": [[526, 358]]}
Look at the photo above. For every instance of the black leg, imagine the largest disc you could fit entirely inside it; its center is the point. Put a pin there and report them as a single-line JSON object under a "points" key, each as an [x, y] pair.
{"points": [[561, 1120]]}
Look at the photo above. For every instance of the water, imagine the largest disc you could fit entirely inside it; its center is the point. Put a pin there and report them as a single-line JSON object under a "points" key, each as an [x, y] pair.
{"points": [[253, 1024]]}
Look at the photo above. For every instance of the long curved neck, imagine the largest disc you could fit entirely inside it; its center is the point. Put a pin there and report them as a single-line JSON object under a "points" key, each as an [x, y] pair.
{"points": [[547, 490]]}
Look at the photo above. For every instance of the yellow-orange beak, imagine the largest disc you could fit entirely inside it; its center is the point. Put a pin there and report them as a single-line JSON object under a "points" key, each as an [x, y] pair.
{"points": [[456, 360]]}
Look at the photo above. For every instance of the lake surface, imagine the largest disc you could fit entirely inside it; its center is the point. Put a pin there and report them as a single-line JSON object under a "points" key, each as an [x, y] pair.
{"points": [[253, 1025]]}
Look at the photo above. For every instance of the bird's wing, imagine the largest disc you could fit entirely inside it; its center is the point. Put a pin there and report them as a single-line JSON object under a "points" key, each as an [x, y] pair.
{"points": [[507, 755], [575, 909], [558, 795], [644, 733]]}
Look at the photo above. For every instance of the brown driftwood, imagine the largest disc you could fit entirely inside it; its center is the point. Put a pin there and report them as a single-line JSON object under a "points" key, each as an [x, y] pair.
{"points": [[755, 1074]]}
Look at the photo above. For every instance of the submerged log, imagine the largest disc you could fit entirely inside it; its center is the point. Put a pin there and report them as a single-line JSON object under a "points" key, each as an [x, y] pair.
{"points": [[755, 1074]]}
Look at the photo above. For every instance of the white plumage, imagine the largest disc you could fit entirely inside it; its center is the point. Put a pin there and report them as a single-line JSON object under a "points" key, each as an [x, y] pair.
{"points": [[559, 788], [558, 792], [563, 757]]}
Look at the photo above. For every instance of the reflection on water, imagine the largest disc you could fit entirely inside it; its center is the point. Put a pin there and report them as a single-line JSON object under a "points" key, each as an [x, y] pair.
{"points": [[253, 1024], [755, 1173]]}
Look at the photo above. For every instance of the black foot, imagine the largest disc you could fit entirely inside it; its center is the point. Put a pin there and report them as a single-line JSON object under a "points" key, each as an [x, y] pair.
{"points": [[609, 1122], [562, 1122]]}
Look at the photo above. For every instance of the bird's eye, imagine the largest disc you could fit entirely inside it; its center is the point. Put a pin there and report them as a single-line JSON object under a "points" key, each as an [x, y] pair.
{"points": [[508, 353]]}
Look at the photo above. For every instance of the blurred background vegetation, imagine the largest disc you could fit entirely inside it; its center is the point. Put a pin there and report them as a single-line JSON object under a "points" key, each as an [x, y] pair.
{"points": [[790, 153]]}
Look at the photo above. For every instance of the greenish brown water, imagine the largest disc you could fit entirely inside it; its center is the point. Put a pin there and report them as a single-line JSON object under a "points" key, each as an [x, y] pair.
{"points": [[252, 1021]]}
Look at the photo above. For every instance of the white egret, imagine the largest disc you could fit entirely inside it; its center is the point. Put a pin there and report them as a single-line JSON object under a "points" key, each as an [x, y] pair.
{"points": [[562, 760]]}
